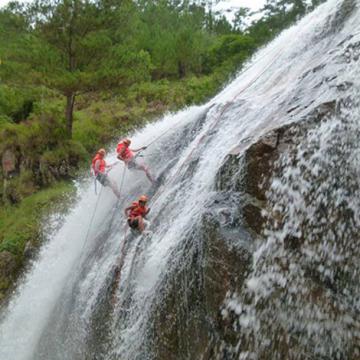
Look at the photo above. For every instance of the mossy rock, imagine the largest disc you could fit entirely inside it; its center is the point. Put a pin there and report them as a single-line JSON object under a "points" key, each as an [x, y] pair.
{"points": [[8, 269]]}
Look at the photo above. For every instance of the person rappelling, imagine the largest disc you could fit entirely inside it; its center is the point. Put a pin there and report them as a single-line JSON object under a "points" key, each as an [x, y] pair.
{"points": [[99, 167], [136, 213], [128, 156]]}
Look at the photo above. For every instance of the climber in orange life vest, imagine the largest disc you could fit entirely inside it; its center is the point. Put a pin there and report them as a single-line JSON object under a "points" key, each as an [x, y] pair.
{"points": [[128, 157], [99, 166], [136, 213]]}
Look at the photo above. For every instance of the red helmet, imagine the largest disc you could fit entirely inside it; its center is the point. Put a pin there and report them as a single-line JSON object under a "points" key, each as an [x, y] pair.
{"points": [[143, 198]]}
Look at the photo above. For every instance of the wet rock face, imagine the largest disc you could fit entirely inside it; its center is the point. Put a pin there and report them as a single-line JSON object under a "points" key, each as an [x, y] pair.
{"points": [[188, 324], [250, 167], [297, 183], [336, 23], [202, 321]]}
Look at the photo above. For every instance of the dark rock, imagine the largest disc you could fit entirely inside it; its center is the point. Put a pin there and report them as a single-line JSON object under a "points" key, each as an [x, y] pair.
{"points": [[30, 250], [188, 325], [8, 270], [250, 167], [344, 86], [8, 263], [9, 162]]}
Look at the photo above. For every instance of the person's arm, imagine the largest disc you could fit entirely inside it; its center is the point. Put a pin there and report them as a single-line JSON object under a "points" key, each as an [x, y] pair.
{"points": [[137, 150], [127, 211], [112, 165], [147, 211]]}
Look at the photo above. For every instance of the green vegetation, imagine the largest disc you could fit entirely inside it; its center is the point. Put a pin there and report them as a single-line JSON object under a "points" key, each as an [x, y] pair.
{"points": [[20, 224], [76, 74], [20, 228]]}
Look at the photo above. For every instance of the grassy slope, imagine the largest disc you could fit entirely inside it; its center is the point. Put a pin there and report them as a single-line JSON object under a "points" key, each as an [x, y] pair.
{"points": [[20, 223], [20, 226]]}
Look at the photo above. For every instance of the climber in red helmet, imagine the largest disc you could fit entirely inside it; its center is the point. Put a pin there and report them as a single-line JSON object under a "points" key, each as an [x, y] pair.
{"points": [[136, 213], [127, 155], [99, 167]]}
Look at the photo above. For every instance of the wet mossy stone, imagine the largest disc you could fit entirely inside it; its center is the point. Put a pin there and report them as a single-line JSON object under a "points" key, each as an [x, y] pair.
{"points": [[8, 267]]}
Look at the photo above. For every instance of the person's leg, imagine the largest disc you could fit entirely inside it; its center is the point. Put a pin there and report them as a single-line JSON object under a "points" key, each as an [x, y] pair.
{"points": [[114, 189], [147, 172], [141, 226], [107, 182], [100, 178], [134, 224], [135, 165]]}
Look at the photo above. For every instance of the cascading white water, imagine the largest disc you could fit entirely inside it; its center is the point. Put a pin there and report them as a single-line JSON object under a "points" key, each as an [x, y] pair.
{"points": [[62, 259], [60, 310]]}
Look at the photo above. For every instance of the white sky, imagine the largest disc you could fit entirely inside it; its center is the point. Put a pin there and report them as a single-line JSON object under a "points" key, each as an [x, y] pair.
{"points": [[222, 5], [235, 4], [229, 7], [3, 2]]}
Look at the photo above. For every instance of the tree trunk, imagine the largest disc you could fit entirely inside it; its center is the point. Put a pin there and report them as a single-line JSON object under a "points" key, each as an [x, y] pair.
{"points": [[70, 100], [181, 69]]}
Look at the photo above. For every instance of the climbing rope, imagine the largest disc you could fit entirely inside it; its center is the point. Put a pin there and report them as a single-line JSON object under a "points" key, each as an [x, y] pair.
{"points": [[122, 251], [122, 180], [159, 137], [147, 154], [95, 209], [90, 226], [216, 121]]}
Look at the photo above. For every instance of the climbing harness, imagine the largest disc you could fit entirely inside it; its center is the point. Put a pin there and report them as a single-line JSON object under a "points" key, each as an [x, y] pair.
{"points": [[92, 173]]}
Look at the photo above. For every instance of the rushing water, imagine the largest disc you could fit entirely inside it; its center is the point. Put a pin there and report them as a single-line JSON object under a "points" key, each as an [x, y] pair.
{"points": [[61, 309]]}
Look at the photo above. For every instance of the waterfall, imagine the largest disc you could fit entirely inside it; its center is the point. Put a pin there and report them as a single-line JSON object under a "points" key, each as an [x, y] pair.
{"points": [[62, 309]]}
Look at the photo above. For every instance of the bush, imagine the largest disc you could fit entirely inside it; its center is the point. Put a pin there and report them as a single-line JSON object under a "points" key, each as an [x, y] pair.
{"points": [[16, 103], [232, 48], [21, 186], [20, 224]]}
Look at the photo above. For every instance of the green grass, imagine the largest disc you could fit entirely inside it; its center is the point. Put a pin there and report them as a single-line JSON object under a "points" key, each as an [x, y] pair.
{"points": [[21, 223]]}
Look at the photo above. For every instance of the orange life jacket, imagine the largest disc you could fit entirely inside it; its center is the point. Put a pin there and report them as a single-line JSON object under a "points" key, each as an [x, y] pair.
{"points": [[102, 165], [127, 155], [137, 210]]}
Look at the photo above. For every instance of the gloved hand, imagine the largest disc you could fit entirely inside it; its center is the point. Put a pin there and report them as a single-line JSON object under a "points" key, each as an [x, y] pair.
{"points": [[144, 148]]}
